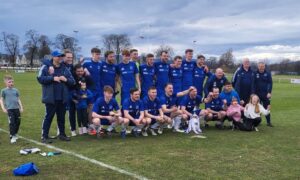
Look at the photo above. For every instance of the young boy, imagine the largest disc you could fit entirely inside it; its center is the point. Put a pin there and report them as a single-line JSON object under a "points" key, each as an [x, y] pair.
{"points": [[82, 97], [11, 104]]}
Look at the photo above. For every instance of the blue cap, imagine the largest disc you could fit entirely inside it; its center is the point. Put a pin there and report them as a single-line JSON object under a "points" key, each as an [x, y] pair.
{"points": [[56, 54]]}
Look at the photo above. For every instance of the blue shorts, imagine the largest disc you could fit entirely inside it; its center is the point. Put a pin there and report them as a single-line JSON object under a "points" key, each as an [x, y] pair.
{"points": [[105, 122], [130, 122], [167, 114], [153, 121]]}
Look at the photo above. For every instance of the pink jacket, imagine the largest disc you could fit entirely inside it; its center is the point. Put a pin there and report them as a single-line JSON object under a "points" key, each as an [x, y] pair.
{"points": [[235, 112]]}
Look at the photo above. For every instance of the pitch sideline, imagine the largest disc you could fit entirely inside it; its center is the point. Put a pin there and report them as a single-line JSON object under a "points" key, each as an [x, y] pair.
{"points": [[99, 163]]}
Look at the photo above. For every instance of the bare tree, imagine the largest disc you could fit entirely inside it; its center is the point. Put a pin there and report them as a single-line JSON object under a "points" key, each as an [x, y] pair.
{"points": [[11, 44], [284, 66], [63, 42], [226, 60], [161, 48], [116, 42], [212, 62], [297, 67], [32, 45], [44, 46]]}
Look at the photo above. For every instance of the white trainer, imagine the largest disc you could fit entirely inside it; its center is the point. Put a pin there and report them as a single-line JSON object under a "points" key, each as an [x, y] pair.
{"points": [[153, 132], [80, 131], [160, 130], [13, 140], [256, 129], [178, 130], [84, 130], [73, 133], [144, 133]]}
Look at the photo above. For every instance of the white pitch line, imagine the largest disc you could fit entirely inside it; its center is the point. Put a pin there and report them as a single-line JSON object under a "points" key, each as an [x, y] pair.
{"points": [[102, 164]]}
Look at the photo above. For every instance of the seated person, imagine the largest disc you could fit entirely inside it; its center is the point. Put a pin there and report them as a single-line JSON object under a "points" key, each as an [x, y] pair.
{"points": [[106, 112], [228, 93], [253, 111], [153, 112], [215, 108], [170, 106], [234, 112], [190, 105], [133, 110]]}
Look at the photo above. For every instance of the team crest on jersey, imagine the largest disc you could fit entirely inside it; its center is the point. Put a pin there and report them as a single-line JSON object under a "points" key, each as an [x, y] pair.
{"points": [[265, 74], [257, 75], [122, 69], [103, 107], [104, 66], [222, 81], [130, 106], [130, 67], [110, 107]]}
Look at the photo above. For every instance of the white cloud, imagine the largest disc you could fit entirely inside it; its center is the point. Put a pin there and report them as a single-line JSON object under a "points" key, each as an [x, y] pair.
{"points": [[272, 52], [216, 25]]}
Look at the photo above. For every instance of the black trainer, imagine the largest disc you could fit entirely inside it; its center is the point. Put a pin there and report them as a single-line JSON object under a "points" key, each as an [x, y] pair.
{"points": [[270, 125], [219, 126], [46, 140], [64, 138]]}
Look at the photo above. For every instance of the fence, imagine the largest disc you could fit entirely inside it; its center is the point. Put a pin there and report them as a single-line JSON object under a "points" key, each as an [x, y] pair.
{"points": [[19, 69]]}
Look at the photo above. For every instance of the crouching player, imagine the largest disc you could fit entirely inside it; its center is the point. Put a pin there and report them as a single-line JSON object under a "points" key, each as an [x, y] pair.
{"points": [[106, 112], [190, 106], [215, 108], [133, 111], [170, 105], [153, 113]]}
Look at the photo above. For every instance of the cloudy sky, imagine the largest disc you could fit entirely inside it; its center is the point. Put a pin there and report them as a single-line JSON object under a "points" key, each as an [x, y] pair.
{"points": [[255, 28]]}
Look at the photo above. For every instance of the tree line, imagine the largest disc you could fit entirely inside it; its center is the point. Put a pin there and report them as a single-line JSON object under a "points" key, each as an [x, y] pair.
{"points": [[38, 45]]}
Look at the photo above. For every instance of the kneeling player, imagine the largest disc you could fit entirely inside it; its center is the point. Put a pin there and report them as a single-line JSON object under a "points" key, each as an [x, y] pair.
{"points": [[133, 110], [106, 112], [153, 112], [215, 108], [190, 105], [170, 105]]}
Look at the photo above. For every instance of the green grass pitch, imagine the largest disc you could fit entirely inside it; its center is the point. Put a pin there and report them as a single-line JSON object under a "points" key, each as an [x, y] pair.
{"points": [[271, 153]]}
